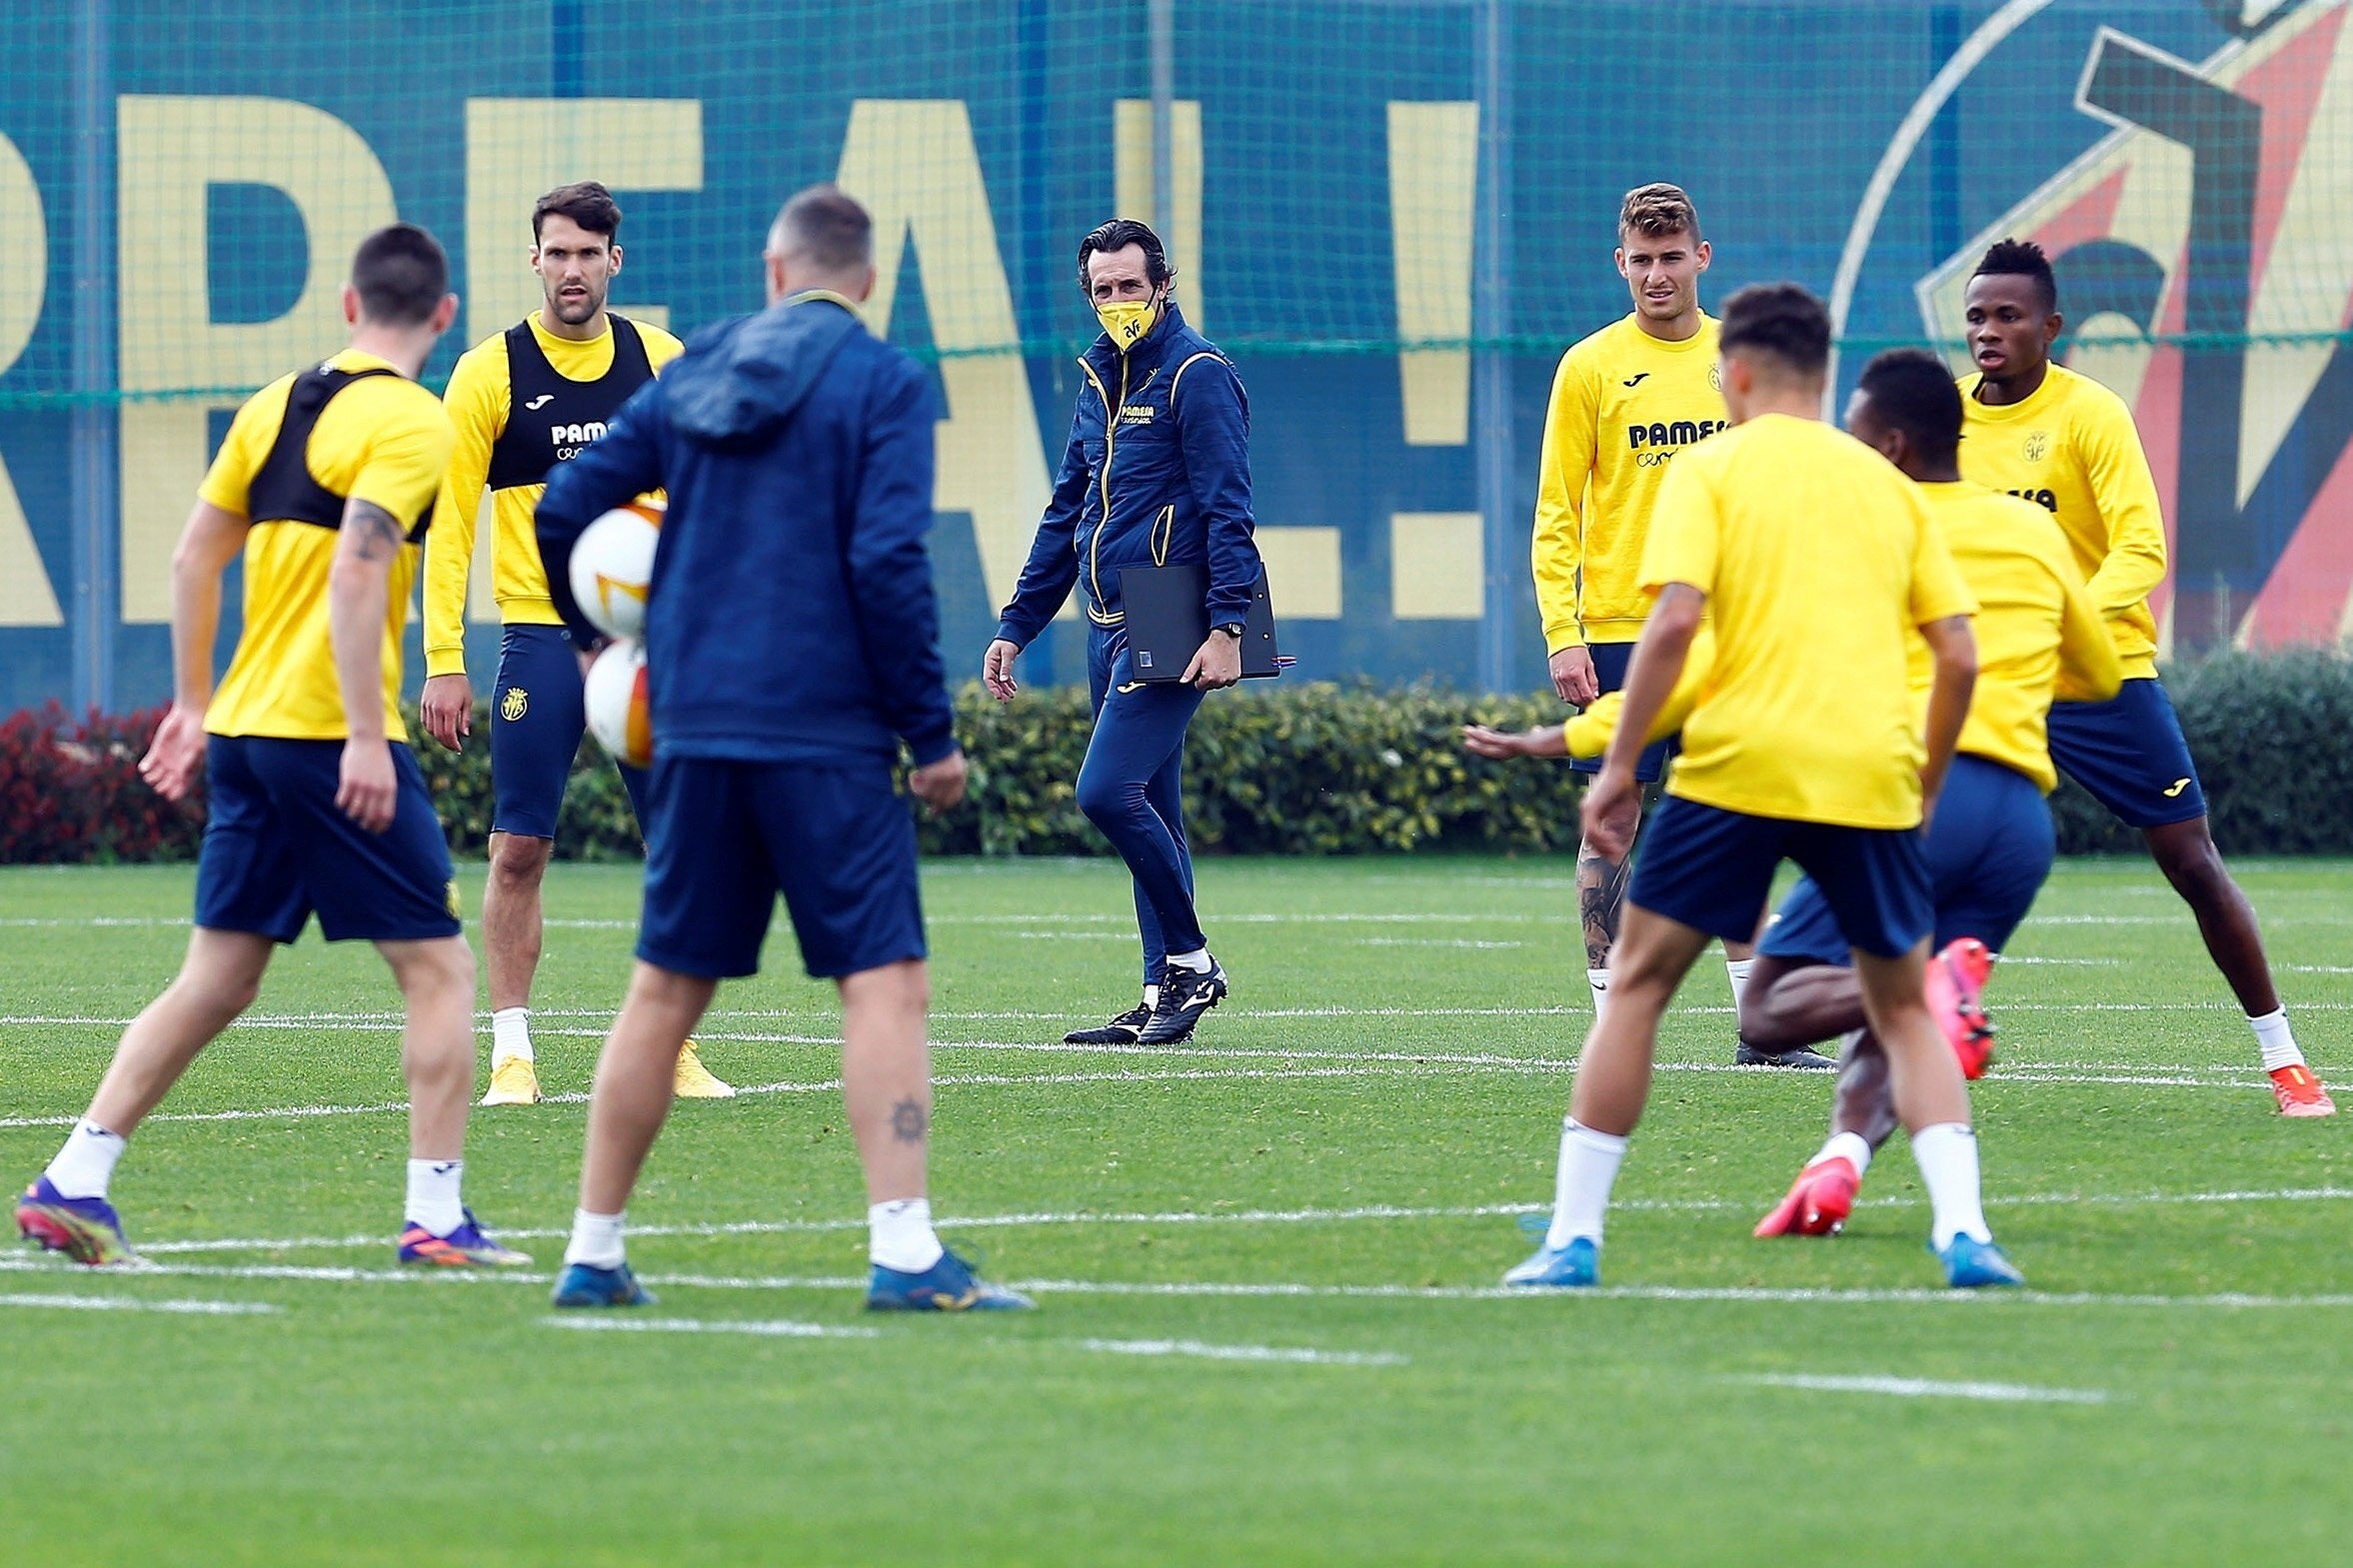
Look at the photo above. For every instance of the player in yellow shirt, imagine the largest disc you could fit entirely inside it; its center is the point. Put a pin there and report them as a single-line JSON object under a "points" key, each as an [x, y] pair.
{"points": [[2040, 431], [1991, 843], [1624, 402], [315, 802], [523, 401], [1816, 560]]}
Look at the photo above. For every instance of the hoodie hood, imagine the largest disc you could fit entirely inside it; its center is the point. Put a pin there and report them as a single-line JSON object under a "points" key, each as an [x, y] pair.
{"points": [[746, 380]]}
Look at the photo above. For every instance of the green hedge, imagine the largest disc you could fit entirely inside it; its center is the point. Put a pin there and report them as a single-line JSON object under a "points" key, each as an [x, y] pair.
{"points": [[1294, 768]]}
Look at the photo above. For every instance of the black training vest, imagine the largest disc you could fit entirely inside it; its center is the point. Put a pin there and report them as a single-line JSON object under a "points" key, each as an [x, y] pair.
{"points": [[283, 489], [550, 417]]}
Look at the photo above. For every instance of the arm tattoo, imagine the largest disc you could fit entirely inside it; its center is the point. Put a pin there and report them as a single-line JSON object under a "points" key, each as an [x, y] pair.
{"points": [[910, 1122], [378, 535]]}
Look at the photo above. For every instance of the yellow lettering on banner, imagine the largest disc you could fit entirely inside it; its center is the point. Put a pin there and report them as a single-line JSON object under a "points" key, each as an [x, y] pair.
{"points": [[519, 149], [1433, 177], [168, 150], [914, 165], [1438, 566], [1133, 195], [26, 599], [1302, 572]]}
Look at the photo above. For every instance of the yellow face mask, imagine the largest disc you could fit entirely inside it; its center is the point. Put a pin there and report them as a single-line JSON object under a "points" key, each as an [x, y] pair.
{"points": [[1128, 320]]}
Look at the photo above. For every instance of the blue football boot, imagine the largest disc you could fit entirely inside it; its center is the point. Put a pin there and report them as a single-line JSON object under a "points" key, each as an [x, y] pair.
{"points": [[949, 1285], [585, 1286], [1971, 1265], [88, 1231], [1571, 1268]]}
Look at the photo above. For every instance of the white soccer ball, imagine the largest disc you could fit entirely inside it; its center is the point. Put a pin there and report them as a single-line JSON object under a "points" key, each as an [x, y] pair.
{"points": [[613, 566], [617, 715]]}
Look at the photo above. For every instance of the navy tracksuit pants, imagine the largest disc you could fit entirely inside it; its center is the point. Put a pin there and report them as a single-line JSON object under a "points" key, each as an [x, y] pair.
{"points": [[1131, 787]]}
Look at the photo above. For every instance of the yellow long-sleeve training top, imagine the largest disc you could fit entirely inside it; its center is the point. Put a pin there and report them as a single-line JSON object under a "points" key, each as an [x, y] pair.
{"points": [[2072, 448], [480, 403], [1624, 404]]}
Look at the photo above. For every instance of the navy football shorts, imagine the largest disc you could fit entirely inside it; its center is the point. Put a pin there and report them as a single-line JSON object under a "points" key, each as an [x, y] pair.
{"points": [[1713, 869], [276, 848], [2128, 752], [1989, 849], [537, 716], [725, 837], [1609, 668]]}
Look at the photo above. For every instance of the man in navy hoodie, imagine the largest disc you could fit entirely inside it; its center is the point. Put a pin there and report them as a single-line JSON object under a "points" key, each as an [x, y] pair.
{"points": [[1157, 473], [792, 644]]}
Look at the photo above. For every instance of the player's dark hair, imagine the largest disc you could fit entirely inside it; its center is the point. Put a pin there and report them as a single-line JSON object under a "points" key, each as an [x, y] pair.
{"points": [[1780, 319], [1118, 235], [1658, 210], [1913, 390], [2021, 258], [400, 272], [585, 202], [826, 227]]}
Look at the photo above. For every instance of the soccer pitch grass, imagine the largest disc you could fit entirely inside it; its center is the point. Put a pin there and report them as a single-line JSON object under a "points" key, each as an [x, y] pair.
{"points": [[1264, 1262]]}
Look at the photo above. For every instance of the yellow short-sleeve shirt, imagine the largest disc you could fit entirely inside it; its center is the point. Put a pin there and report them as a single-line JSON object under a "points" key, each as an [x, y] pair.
{"points": [[1819, 561], [382, 439]]}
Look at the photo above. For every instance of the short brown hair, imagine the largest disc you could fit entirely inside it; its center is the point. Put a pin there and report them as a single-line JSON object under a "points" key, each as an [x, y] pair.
{"points": [[400, 274], [826, 227], [1780, 319], [586, 203], [1656, 210]]}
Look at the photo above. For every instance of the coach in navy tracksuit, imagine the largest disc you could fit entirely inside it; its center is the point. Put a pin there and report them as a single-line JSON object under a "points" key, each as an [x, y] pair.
{"points": [[1157, 473], [792, 644]]}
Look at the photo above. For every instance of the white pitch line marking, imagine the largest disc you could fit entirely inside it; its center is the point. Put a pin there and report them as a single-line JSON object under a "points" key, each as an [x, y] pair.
{"points": [[1366, 1065], [1274, 1289], [1209, 1352], [1294, 1216], [1925, 1388], [772, 1328], [135, 1304]]}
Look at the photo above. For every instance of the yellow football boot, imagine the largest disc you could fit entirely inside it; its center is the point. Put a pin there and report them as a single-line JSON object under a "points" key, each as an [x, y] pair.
{"points": [[513, 1082], [694, 1080]]}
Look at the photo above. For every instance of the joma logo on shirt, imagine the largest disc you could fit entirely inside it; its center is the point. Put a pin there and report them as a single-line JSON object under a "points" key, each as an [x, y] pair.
{"points": [[1680, 433]]}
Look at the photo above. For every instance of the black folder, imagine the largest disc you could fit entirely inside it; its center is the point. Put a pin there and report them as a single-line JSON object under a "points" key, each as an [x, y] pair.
{"points": [[1169, 620]]}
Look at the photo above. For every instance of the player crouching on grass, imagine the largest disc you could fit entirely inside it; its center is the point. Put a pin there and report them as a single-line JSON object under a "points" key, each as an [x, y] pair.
{"points": [[1818, 560], [326, 483], [792, 643], [1990, 841]]}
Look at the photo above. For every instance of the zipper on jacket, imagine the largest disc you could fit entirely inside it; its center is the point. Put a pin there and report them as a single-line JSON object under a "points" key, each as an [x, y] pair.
{"points": [[1111, 425]]}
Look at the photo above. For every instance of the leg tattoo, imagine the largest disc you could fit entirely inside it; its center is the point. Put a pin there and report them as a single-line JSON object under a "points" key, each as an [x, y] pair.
{"points": [[910, 1122], [1602, 899]]}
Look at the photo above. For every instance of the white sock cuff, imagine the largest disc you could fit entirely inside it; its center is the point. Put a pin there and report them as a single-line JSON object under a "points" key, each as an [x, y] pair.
{"points": [[1849, 1146], [2276, 1040], [1593, 1137], [1197, 961], [595, 1240], [510, 1034]]}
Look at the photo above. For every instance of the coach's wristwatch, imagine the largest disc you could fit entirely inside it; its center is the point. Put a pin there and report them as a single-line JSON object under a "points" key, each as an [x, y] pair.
{"points": [[1233, 629]]}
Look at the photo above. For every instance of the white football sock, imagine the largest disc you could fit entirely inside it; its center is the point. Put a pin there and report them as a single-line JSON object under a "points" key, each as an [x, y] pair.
{"points": [[1152, 997], [86, 1163], [2272, 1035], [1947, 1157], [1598, 981], [595, 1240], [433, 1194], [1738, 970], [1581, 1191], [510, 1034], [1847, 1147], [1197, 960], [899, 1235]]}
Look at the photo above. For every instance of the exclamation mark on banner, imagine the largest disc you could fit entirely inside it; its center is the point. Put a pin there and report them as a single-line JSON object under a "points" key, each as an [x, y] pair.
{"points": [[1437, 565]]}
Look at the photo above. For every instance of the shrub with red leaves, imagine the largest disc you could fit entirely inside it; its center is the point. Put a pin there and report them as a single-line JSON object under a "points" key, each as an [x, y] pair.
{"points": [[71, 793]]}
